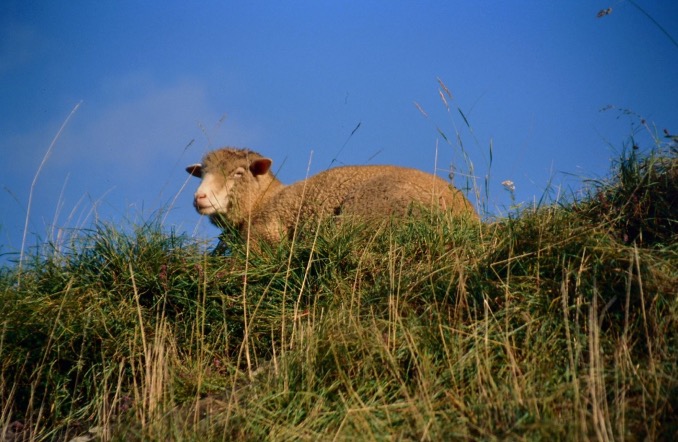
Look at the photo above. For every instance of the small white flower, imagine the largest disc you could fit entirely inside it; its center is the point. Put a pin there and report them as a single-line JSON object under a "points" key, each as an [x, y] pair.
{"points": [[509, 185]]}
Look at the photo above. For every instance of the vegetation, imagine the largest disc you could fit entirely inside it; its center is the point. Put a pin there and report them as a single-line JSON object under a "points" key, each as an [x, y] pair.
{"points": [[557, 322]]}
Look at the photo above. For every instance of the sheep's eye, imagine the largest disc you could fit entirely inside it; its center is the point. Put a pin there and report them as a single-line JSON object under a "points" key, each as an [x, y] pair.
{"points": [[239, 172]]}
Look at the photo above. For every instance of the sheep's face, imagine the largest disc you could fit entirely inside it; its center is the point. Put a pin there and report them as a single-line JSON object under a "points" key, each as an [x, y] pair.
{"points": [[229, 186], [212, 195]]}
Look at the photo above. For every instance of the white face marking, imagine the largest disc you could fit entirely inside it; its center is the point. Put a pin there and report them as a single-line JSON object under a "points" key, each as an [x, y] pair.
{"points": [[213, 194]]}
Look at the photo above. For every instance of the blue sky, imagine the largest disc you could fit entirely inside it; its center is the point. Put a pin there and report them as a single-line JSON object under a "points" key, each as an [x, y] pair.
{"points": [[160, 84]]}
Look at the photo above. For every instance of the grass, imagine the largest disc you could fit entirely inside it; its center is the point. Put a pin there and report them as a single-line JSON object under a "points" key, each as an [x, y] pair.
{"points": [[559, 322]]}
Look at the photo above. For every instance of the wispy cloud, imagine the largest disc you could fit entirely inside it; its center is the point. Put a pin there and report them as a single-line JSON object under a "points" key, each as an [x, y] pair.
{"points": [[136, 131], [19, 45], [127, 143]]}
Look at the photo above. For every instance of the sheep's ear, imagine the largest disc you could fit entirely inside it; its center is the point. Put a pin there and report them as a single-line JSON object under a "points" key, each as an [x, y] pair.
{"points": [[260, 166], [195, 170]]}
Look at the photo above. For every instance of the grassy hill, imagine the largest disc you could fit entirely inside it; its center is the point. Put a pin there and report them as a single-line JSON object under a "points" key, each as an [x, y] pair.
{"points": [[556, 322]]}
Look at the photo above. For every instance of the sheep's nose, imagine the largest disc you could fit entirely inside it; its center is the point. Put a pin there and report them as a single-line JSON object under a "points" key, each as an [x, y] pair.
{"points": [[199, 199]]}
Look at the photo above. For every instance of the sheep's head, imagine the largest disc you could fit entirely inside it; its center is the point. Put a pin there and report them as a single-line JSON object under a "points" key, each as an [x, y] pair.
{"points": [[233, 180]]}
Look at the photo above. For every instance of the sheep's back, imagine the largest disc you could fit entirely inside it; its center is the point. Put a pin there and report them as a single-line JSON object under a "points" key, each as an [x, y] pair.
{"points": [[362, 191], [392, 190]]}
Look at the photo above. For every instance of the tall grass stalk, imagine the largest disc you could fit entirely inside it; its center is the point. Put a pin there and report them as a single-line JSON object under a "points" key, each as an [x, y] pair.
{"points": [[35, 180]]}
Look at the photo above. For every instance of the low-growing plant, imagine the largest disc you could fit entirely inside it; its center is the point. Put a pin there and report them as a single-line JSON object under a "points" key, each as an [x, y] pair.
{"points": [[640, 202], [557, 322]]}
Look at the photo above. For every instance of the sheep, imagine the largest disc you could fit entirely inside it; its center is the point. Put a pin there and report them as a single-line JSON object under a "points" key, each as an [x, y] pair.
{"points": [[238, 189]]}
